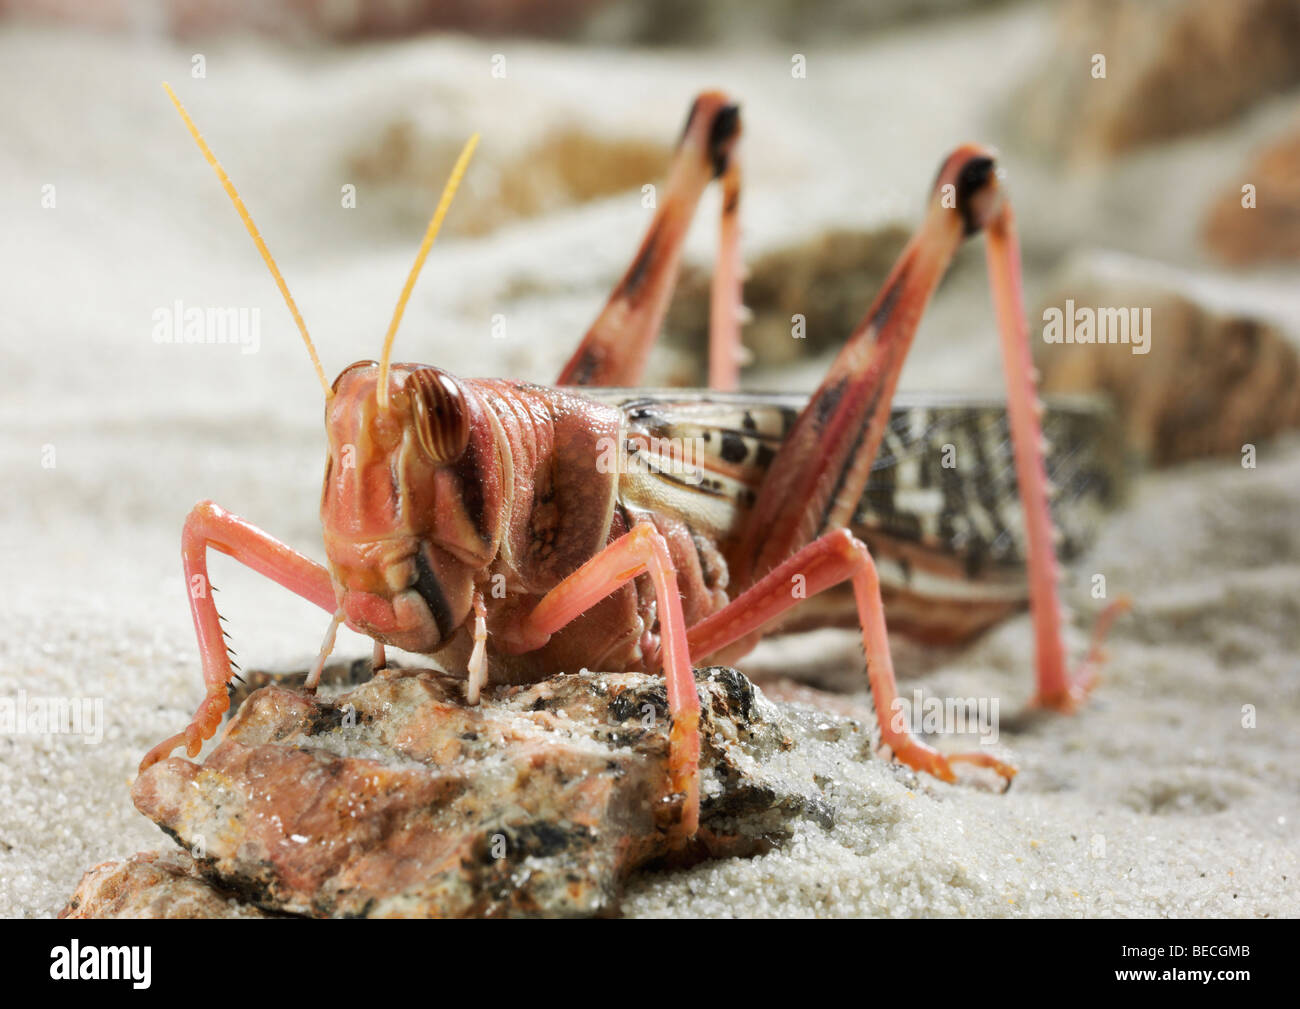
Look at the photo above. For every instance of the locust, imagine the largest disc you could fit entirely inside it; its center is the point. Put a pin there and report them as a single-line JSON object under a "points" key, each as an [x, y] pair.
{"points": [[517, 530]]}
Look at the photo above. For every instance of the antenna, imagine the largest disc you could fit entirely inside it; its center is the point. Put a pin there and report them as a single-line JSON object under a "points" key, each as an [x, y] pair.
{"points": [[444, 204], [252, 231]]}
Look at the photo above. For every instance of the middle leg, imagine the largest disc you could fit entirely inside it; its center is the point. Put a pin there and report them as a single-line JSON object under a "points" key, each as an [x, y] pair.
{"points": [[834, 558]]}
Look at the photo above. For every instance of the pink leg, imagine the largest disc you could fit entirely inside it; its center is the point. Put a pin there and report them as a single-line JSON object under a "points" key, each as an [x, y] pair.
{"points": [[827, 561], [1056, 687], [823, 465], [615, 348], [641, 551], [725, 304], [209, 525]]}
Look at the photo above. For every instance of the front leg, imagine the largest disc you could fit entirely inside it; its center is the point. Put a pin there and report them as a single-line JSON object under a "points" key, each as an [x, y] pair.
{"points": [[209, 525], [641, 551]]}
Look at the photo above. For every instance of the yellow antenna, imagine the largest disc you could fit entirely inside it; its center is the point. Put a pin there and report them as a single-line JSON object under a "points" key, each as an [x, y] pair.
{"points": [[444, 204], [252, 231]]}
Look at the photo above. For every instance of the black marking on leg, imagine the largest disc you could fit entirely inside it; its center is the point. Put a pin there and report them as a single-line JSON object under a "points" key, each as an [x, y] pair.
{"points": [[827, 402], [640, 267], [585, 367], [725, 126], [888, 301], [974, 175], [690, 116], [855, 446]]}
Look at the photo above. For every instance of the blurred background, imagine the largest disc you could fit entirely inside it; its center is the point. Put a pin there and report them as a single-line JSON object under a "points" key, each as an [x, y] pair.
{"points": [[1151, 149]]}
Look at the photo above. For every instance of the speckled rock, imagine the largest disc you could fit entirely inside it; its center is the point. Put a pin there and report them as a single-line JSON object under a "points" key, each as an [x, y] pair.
{"points": [[395, 799], [153, 885]]}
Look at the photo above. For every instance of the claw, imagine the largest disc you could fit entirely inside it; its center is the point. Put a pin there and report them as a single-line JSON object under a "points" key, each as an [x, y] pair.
{"points": [[161, 752], [1001, 768], [1065, 702], [1068, 700], [920, 757], [202, 727]]}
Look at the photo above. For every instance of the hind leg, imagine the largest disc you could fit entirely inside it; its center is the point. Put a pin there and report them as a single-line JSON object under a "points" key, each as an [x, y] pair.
{"points": [[822, 468], [615, 348]]}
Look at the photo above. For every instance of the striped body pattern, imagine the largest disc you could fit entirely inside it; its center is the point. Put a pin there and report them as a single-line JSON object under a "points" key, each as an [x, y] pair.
{"points": [[940, 513]]}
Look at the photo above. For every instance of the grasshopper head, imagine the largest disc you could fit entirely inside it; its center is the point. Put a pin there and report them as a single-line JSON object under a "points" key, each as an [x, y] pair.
{"points": [[412, 501]]}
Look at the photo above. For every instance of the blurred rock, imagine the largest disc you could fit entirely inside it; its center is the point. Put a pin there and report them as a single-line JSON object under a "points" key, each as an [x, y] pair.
{"points": [[830, 280], [1270, 230], [153, 885], [405, 165], [1218, 374], [1172, 67], [395, 799]]}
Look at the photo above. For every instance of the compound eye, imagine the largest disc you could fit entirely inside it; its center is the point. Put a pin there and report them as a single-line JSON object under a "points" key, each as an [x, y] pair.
{"points": [[440, 414]]}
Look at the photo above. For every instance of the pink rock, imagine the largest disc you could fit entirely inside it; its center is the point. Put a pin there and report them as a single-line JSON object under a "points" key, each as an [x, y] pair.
{"points": [[152, 885], [396, 799]]}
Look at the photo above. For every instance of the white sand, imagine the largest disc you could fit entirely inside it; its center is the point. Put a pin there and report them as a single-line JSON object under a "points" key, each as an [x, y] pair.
{"points": [[1195, 815]]}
